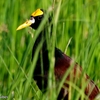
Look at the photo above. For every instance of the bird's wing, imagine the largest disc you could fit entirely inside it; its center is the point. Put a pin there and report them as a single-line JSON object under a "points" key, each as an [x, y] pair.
{"points": [[63, 63]]}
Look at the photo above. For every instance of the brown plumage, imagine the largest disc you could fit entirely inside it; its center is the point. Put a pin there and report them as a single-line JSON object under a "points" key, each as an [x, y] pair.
{"points": [[62, 64]]}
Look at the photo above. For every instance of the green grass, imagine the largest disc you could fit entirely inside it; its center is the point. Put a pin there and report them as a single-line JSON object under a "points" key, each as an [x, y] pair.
{"points": [[76, 32]]}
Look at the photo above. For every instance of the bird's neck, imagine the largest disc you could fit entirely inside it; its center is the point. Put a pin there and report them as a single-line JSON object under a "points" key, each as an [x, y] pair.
{"points": [[40, 38]]}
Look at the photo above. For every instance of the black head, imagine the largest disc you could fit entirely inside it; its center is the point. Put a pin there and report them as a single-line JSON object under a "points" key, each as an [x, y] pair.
{"points": [[37, 20], [34, 21]]}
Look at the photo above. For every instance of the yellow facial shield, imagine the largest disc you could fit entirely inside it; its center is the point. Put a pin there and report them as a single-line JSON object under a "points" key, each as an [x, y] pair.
{"points": [[38, 12]]}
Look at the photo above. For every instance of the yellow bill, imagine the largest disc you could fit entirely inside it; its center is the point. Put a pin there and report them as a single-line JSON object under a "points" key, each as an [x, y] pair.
{"points": [[26, 24]]}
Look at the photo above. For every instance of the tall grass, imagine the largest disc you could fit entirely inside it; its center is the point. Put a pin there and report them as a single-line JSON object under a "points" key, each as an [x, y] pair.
{"points": [[76, 26]]}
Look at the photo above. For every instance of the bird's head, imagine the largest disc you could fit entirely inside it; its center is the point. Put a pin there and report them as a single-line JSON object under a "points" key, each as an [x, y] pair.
{"points": [[34, 21]]}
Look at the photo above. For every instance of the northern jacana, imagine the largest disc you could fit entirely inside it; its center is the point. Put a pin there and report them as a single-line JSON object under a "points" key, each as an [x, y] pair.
{"points": [[62, 62]]}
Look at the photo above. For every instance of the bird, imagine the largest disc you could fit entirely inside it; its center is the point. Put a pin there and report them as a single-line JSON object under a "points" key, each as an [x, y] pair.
{"points": [[62, 62]]}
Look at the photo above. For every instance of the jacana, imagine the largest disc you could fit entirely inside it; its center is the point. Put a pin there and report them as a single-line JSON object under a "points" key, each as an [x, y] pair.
{"points": [[62, 62]]}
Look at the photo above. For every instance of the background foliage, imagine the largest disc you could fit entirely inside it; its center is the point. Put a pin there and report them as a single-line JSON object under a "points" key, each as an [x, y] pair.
{"points": [[77, 34]]}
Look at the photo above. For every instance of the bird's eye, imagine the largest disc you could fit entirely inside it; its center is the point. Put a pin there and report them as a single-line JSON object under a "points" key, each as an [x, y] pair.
{"points": [[32, 19]]}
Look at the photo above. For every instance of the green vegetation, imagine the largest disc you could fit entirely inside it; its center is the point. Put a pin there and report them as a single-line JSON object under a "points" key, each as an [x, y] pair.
{"points": [[76, 32]]}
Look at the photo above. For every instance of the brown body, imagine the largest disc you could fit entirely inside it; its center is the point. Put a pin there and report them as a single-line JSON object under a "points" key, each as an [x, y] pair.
{"points": [[62, 64]]}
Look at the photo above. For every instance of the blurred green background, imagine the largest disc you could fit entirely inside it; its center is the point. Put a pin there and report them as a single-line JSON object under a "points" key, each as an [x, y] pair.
{"points": [[77, 34]]}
